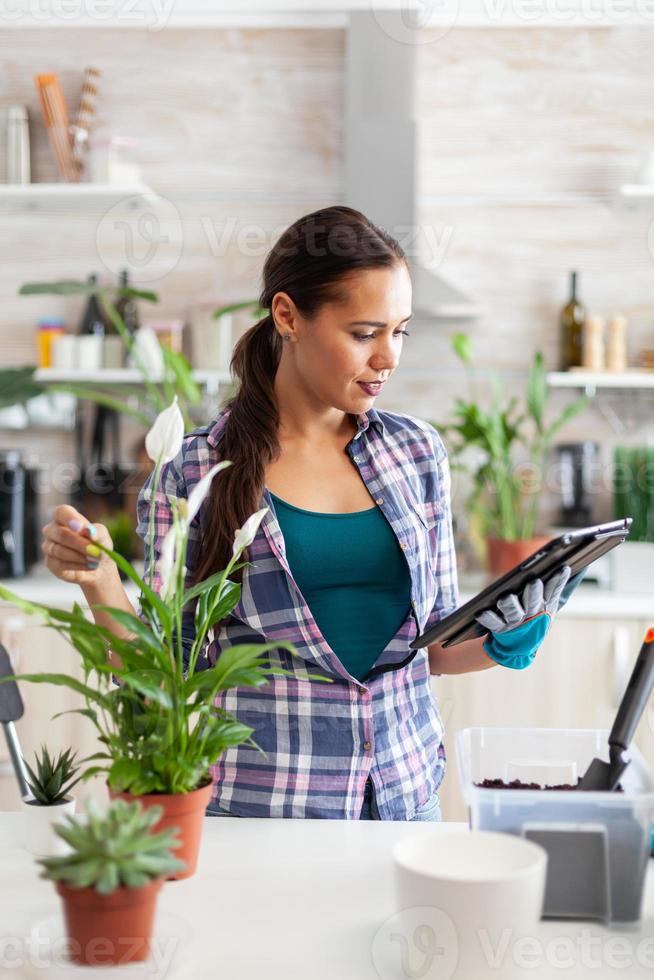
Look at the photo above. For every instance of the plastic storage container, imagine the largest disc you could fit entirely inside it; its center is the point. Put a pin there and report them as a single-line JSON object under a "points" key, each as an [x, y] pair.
{"points": [[598, 844]]}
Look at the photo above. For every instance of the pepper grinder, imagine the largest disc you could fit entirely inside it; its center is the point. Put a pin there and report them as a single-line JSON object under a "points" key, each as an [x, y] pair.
{"points": [[593, 356], [616, 357]]}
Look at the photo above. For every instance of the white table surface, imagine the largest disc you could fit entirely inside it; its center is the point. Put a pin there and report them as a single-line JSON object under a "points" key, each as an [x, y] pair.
{"points": [[300, 900]]}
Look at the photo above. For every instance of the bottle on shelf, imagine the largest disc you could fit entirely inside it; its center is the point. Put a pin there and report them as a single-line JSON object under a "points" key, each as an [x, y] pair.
{"points": [[616, 356], [127, 306], [92, 330], [573, 316], [593, 344]]}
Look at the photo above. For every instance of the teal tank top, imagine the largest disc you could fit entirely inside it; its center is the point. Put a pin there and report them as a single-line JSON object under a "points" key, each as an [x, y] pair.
{"points": [[353, 575]]}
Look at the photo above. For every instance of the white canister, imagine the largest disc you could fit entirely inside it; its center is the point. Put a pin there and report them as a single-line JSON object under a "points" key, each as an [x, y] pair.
{"points": [[64, 352], [89, 352], [212, 341], [113, 352], [40, 837], [18, 145]]}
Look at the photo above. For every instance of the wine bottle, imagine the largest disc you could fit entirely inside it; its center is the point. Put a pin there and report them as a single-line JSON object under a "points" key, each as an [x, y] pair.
{"points": [[93, 320], [573, 316], [127, 307]]}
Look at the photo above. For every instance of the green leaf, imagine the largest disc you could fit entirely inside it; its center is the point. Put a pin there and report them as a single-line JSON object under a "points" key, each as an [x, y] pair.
{"points": [[61, 680], [235, 307], [101, 398], [62, 287], [162, 609], [77, 287], [181, 371], [142, 633], [17, 386], [148, 683], [568, 413], [537, 391], [462, 347]]}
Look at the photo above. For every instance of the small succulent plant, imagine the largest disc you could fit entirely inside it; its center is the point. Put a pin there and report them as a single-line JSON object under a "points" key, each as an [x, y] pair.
{"points": [[54, 777], [114, 849]]}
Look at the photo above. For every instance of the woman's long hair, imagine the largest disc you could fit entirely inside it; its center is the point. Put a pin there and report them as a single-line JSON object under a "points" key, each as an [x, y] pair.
{"points": [[308, 262]]}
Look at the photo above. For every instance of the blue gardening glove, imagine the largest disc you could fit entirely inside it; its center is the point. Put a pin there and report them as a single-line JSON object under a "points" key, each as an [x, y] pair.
{"points": [[571, 586], [516, 635]]}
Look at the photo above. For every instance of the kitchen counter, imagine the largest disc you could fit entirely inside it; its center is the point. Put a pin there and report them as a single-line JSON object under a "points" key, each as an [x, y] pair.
{"points": [[40, 585], [298, 899], [588, 601]]}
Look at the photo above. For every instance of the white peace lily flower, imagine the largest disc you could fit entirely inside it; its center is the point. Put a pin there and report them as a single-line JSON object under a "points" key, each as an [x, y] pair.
{"points": [[200, 491], [164, 440], [245, 535]]}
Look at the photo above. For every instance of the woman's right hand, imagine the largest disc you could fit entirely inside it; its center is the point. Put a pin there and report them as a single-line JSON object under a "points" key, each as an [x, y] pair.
{"points": [[65, 546]]}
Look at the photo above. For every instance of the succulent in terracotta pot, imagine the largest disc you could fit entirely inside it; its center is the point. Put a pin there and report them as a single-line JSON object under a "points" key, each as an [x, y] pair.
{"points": [[110, 879]]}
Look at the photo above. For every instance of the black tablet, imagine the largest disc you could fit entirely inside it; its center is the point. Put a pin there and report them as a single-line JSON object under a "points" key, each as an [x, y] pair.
{"points": [[575, 548]]}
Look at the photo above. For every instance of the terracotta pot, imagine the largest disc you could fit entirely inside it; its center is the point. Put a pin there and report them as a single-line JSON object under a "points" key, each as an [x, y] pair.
{"points": [[505, 555], [183, 810], [109, 929]]}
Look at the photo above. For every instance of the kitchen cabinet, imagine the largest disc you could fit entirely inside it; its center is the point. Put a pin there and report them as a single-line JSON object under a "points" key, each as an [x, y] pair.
{"points": [[576, 681]]}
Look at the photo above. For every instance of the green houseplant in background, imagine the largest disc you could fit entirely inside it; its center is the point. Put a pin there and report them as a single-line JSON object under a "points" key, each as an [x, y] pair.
{"points": [[632, 564], [159, 728], [505, 496], [109, 880], [50, 780]]}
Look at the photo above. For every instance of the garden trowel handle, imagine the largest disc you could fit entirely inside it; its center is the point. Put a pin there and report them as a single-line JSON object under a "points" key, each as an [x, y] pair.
{"points": [[637, 694], [16, 758]]}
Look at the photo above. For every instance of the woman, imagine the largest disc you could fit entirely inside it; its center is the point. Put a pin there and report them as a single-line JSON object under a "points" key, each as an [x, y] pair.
{"points": [[354, 556]]}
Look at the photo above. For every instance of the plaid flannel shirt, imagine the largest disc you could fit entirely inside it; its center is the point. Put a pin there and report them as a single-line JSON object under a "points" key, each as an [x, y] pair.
{"points": [[322, 741]]}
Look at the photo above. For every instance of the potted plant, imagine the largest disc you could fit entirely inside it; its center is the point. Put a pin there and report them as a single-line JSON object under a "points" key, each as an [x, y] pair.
{"points": [[633, 496], [159, 728], [109, 881], [506, 490], [50, 781]]}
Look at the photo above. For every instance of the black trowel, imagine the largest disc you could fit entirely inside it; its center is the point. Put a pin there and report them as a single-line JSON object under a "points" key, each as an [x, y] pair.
{"points": [[11, 709], [602, 775]]}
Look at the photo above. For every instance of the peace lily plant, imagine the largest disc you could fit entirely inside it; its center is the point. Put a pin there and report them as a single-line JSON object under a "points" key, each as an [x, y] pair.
{"points": [[158, 726]]}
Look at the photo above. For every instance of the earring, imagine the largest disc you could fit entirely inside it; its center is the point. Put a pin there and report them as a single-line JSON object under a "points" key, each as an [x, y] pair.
{"points": [[287, 336]]}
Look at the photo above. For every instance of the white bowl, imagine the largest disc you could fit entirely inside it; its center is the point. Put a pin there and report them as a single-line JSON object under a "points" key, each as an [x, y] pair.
{"points": [[472, 886]]}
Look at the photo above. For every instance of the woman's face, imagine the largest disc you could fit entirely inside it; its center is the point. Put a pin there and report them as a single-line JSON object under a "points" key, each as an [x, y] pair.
{"points": [[357, 340]]}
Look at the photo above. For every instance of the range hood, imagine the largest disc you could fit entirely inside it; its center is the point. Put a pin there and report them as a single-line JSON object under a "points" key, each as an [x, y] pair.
{"points": [[380, 150]]}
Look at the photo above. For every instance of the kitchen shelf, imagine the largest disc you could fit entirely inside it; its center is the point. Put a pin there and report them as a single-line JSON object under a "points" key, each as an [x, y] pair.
{"points": [[591, 380], [623, 398], [115, 376], [32, 196], [637, 192]]}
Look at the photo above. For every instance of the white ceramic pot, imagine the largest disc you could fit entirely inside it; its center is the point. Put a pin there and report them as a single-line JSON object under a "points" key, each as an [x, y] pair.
{"points": [[474, 894], [40, 838]]}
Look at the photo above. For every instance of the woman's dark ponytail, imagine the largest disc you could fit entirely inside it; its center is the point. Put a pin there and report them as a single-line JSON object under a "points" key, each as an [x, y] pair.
{"points": [[309, 262]]}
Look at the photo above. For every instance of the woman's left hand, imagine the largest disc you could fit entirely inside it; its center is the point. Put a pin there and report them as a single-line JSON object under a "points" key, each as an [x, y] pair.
{"points": [[519, 628]]}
